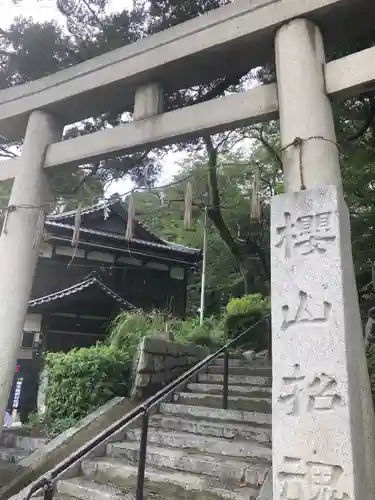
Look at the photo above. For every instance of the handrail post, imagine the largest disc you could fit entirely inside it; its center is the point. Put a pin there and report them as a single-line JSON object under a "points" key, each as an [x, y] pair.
{"points": [[48, 491], [142, 456], [142, 412], [225, 385]]}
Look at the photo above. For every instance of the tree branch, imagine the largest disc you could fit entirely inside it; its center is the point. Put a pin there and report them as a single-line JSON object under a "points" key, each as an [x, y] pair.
{"points": [[239, 250], [221, 87], [268, 146], [214, 211], [370, 118], [93, 13]]}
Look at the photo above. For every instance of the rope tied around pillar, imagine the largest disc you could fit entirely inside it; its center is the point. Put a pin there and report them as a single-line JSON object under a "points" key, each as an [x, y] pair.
{"points": [[298, 142], [8, 210]]}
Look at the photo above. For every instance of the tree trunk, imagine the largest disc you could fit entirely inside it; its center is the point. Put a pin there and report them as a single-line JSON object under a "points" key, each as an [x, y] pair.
{"points": [[241, 250]]}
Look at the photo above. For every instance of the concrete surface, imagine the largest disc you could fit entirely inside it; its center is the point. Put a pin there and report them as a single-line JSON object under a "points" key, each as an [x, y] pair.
{"points": [[19, 243], [305, 108], [193, 453], [215, 44], [320, 393], [159, 362], [345, 77], [56, 450]]}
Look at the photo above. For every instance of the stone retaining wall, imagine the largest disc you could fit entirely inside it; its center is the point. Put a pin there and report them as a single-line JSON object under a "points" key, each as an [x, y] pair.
{"points": [[159, 362]]}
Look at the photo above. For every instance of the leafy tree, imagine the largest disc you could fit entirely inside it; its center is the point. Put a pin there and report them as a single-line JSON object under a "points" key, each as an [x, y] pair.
{"points": [[29, 50], [164, 213]]}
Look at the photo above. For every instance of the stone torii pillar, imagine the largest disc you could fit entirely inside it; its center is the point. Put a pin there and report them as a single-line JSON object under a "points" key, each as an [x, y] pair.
{"points": [[322, 415], [18, 243]]}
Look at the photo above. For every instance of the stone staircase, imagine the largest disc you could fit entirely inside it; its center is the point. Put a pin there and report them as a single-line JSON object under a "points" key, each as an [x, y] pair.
{"points": [[14, 447], [196, 450]]}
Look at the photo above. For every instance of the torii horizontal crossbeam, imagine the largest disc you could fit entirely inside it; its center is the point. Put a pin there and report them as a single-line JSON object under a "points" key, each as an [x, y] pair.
{"points": [[227, 41], [345, 77]]}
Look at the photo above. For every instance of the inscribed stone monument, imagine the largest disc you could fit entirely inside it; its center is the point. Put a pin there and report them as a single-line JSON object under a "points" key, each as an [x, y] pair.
{"points": [[322, 415]]}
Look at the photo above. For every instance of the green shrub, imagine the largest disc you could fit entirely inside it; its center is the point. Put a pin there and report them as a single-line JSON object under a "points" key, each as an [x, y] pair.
{"points": [[210, 334], [128, 329], [249, 305], [81, 380], [244, 312]]}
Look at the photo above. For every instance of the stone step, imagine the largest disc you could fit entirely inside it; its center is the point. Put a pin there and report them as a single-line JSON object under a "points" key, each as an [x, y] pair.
{"points": [[8, 471], [55, 497], [216, 413], [256, 371], [166, 483], [82, 489], [242, 361], [26, 443], [212, 378], [214, 428], [12, 455], [261, 405], [219, 466], [254, 391], [203, 444], [232, 362]]}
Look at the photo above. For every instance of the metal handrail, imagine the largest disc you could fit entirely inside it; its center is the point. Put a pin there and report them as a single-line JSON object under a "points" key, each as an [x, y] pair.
{"points": [[141, 411]]}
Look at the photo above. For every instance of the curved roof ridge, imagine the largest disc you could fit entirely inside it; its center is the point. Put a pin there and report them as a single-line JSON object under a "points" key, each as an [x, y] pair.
{"points": [[90, 280], [98, 232], [95, 207]]}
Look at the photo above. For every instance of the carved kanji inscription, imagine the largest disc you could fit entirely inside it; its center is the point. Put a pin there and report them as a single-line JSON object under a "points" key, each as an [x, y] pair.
{"points": [[306, 312], [300, 393], [306, 235], [301, 480]]}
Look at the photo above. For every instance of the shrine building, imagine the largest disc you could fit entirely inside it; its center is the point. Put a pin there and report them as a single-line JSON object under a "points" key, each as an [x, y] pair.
{"points": [[77, 292]]}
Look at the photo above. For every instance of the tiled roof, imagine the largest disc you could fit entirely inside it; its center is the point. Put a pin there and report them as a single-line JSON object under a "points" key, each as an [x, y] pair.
{"points": [[79, 287], [164, 246], [101, 206], [97, 207], [57, 220]]}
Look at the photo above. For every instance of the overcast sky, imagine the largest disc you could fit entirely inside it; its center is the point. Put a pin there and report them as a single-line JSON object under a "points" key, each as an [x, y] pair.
{"points": [[45, 10], [42, 10]]}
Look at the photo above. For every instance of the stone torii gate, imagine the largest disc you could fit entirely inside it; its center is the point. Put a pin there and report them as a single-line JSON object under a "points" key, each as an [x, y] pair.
{"points": [[323, 422]]}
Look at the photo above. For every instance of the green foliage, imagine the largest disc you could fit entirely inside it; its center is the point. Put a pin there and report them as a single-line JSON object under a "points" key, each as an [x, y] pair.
{"points": [[81, 380], [224, 278], [210, 334], [254, 305], [245, 312], [128, 329], [30, 50]]}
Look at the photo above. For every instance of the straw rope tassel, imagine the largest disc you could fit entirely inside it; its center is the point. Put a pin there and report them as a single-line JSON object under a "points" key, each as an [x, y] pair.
{"points": [[255, 211], [188, 209], [77, 226], [8, 211], [131, 215], [39, 229]]}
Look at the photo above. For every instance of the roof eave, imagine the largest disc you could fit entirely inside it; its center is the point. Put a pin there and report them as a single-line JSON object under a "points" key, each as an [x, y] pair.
{"points": [[79, 288], [88, 236]]}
